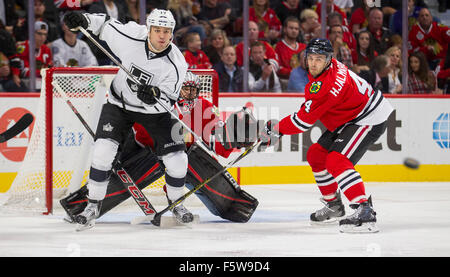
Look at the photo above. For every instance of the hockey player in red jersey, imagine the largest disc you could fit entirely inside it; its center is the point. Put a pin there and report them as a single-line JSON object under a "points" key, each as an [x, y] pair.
{"points": [[222, 196], [355, 117]]}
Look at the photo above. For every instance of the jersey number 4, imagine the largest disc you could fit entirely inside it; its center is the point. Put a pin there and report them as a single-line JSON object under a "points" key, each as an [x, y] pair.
{"points": [[363, 86]]}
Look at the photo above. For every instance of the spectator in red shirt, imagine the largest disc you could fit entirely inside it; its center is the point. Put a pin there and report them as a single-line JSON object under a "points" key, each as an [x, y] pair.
{"points": [[359, 17], [429, 37], [267, 20], [331, 7], [381, 35], [21, 61], [364, 53], [253, 32], [335, 19], [288, 46], [342, 52], [194, 56]]}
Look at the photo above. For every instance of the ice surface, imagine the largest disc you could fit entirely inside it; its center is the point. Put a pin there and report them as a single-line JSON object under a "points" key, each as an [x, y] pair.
{"points": [[413, 218]]}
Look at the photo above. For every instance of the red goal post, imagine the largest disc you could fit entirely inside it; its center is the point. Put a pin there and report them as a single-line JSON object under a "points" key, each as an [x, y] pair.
{"points": [[57, 159]]}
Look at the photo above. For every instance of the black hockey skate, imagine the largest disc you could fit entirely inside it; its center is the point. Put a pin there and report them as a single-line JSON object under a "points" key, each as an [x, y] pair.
{"points": [[362, 221], [329, 214], [86, 219]]}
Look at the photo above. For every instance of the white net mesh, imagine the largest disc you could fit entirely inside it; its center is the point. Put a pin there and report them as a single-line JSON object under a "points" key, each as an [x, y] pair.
{"points": [[71, 143]]}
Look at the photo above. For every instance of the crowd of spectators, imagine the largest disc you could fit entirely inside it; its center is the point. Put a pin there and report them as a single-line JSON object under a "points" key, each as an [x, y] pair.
{"points": [[209, 32]]}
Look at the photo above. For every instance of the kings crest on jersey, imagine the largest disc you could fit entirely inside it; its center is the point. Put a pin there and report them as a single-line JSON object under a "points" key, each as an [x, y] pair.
{"points": [[129, 42]]}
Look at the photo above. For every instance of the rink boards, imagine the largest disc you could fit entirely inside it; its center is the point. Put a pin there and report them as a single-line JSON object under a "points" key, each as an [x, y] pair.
{"points": [[418, 128]]}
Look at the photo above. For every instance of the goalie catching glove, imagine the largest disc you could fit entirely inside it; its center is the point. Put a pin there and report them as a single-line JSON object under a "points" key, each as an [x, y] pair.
{"points": [[239, 131], [148, 94]]}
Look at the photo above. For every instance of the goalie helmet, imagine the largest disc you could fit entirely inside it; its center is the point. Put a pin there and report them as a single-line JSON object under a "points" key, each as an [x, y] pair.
{"points": [[189, 91], [161, 18]]}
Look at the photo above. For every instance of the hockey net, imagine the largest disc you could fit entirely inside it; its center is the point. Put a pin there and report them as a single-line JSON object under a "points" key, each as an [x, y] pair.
{"points": [[58, 157]]}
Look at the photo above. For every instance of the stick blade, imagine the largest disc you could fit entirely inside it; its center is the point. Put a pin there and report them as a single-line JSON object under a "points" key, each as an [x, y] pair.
{"points": [[19, 127], [163, 222]]}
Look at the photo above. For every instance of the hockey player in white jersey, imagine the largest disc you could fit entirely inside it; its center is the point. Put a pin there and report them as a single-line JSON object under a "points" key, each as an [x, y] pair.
{"points": [[149, 54]]}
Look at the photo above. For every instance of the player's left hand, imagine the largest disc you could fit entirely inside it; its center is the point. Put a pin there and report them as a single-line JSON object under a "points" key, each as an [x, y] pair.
{"points": [[269, 135], [148, 94]]}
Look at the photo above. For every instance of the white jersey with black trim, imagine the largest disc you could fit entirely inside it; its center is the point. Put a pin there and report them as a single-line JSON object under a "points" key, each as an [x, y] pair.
{"points": [[129, 42]]}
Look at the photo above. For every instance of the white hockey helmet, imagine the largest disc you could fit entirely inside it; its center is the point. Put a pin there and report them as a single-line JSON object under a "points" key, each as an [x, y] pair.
{"points": [[161, 18]]}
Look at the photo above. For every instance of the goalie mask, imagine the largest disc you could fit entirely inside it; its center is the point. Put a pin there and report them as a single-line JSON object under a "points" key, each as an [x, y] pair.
{"points": [[189, 91]]}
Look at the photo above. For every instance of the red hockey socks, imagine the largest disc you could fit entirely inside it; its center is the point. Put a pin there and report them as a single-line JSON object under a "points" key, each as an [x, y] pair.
{"points": [[348, 179], [317, 156]]}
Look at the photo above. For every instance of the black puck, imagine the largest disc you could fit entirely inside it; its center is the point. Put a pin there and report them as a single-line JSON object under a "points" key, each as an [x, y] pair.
{"points": [[411, 163]]}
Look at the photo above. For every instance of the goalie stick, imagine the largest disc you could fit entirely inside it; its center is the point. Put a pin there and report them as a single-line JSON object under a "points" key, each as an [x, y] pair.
{"points": [[139, 197], [18, 128]]}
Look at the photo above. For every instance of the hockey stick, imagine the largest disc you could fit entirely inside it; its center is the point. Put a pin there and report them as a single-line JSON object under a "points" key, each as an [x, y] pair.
{"points": [[157, 218], [18, 128], [127, 182]]}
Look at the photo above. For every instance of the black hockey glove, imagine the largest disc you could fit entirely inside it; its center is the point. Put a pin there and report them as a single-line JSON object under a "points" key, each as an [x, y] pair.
{"points": [[268, 136], [75, 19], [148, 94]]}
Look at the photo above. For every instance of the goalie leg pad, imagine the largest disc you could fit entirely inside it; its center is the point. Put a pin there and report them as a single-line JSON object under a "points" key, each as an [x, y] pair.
{"points": [[222, 196]]}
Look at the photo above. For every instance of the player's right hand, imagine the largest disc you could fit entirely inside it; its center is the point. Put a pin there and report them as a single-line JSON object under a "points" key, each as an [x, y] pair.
{"points": [[269, 135], [75, 19], [148, 94]]}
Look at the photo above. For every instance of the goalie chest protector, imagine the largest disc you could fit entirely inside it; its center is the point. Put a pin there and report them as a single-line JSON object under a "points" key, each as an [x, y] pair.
{"points": [[222, 196]]}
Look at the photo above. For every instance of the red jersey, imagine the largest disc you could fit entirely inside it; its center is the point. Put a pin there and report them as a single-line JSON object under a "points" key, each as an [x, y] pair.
{"points": [[334, 8], [270, 19], [347, 37], [69, 4], [336, 97], [197, 60], [358, 18], [202, 120], [270, 53], [364, 58], [43, 59], [285, 53], [437, 36]]}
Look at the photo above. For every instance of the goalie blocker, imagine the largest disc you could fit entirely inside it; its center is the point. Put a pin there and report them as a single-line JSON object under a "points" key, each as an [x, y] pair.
{"points": [[222, 196]]}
